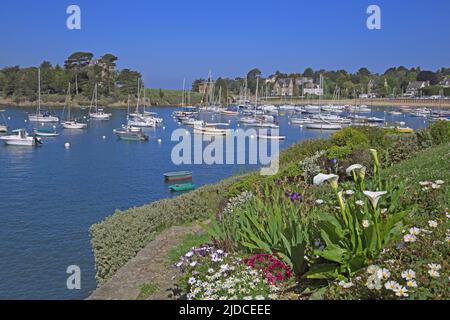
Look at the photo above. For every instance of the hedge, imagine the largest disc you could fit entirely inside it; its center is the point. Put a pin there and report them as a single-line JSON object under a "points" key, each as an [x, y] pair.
{"points": [[121, 236]]}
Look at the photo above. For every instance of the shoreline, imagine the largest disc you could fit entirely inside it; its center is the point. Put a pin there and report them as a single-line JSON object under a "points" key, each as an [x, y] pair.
{"points": [[385, 103]]}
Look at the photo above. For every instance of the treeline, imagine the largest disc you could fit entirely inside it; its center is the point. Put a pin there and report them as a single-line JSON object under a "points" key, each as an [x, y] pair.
{"points": [[393, 82], [80, 69]]}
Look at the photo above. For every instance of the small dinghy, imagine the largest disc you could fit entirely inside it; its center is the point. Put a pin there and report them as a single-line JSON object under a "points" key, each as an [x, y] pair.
{"points": [[182, 187], [178, 176]]}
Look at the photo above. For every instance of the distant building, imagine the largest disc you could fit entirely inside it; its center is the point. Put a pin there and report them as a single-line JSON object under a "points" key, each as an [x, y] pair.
{"points": [[271, 79], [312, 89], [283, 87], [205, 87], [445, 83], [414, 87], [302, 81]]}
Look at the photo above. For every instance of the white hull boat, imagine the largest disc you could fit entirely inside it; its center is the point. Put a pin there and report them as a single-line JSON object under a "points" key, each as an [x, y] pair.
{"points": [[193, 122], [74, 125], [211, 131], [20, 138], [42, 118], [324, 126]]}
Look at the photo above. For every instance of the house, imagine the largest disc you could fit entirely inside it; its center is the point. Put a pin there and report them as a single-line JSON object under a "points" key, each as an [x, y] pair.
{"points": [[445, 83], [414, 87], [312, 89], [302, 81], [271, 79], [206, 87], [283, 87]]}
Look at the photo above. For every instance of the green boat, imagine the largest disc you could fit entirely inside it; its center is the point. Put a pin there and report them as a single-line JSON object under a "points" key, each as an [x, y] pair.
{"points": [[182, 187]]}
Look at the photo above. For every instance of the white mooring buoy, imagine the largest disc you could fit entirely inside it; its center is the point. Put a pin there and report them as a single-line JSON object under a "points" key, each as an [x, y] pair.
{"points": [[104, 137], [67, 145], [159, 140]]}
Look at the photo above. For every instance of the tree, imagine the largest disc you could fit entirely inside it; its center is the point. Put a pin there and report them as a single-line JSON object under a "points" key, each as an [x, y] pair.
{"points": [[308, 73], [251, 79], [78, 59], [428, 76]]}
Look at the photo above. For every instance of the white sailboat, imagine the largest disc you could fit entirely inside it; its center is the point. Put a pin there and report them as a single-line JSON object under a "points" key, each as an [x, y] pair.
{"points": [[20, 137], [41, 117], [69, 123], [98, 113], [43, 132]]}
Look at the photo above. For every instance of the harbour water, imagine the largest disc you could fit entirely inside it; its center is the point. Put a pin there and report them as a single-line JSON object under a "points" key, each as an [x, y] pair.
{"points": [[51, 195]]}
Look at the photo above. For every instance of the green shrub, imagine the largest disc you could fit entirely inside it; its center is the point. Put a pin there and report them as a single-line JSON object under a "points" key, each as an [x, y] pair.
{"points": [[403, 147], [300, 151], [424, 138], [440, 131], [351, 137], [361, 229], [273, 224], [121, 236], [339, 153]]}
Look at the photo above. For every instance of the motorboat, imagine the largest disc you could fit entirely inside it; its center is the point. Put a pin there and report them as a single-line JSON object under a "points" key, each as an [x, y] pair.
{"points": [[20, 137], [124, 134]]}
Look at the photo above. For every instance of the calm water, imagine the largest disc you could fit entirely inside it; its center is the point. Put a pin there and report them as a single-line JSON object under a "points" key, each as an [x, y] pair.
{"points": [[50, 196]]}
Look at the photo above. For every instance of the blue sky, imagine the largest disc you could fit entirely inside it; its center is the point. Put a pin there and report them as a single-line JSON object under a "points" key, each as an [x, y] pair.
{"points": [[169, 40]]}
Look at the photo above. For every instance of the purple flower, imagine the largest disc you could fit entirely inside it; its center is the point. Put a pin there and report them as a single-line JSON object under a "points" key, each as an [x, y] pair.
{"points": [[296, 197]]}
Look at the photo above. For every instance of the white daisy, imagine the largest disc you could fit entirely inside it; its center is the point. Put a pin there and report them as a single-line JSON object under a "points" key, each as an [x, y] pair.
{"points": [[434, 266], [401, 291], [411, 284], [383, 274], [391, 285], [408, 274], [414, 231], [434, 273], [410, 238]]}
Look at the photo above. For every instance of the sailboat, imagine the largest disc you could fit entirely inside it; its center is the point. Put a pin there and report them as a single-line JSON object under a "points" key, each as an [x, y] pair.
{"points": [[71, 124], [3, 127], [41, 117], [43, 132], [98, 113], [137, 119]]}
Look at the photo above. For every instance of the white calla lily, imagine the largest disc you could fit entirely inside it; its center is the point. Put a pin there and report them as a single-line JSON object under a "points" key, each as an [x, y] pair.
{"points": [[354, 167], [322, 178], [374, 196]]}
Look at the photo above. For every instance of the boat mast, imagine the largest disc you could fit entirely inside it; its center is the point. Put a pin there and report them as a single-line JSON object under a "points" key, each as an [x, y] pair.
{"points": [[138, 96], [68, 103], [39, 94]]}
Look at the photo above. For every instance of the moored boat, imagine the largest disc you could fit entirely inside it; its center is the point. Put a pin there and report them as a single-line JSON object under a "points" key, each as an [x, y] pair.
{"points": [[178, 176], [20, 137], [182, 187]]}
